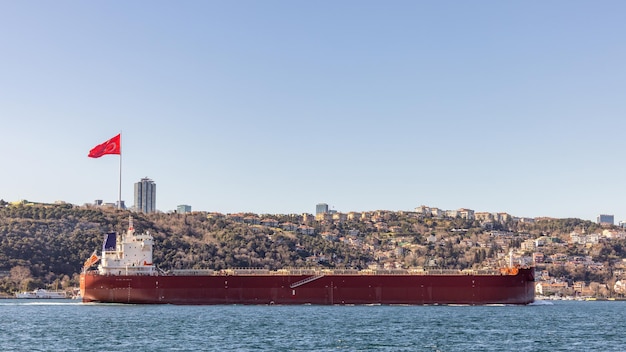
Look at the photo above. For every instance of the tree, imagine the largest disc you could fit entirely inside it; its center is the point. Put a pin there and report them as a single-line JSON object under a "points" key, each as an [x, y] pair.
{"points": [[21, 276]]}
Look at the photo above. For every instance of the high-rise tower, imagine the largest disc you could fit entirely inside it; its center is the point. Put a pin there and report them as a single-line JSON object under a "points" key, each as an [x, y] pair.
{"points": [[606, 219], [321, 208], [145, 196]]}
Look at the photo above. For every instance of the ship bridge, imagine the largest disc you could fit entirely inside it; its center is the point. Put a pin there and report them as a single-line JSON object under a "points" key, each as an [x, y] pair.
{"points": [[128, 254]]}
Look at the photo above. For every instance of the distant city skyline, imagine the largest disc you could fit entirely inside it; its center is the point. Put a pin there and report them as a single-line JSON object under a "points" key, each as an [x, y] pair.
{"points": [[323, 208], [512, 107]]}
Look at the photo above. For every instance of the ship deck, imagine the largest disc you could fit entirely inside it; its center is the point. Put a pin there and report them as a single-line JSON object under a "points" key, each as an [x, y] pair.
{"points": [[331, 272]]}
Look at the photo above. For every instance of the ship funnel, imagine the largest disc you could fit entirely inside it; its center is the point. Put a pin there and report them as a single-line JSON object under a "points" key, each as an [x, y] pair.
{"points": [[110, 242]]}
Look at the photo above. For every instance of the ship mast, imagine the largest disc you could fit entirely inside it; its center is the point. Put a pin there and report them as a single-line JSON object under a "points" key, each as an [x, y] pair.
{"points": [[130, 223]]}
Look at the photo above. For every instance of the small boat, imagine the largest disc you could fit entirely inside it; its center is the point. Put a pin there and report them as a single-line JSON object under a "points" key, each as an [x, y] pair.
{"points": [[40, 293]]}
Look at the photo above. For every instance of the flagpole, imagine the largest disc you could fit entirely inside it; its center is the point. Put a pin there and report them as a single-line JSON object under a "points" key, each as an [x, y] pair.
{"points": [[112, 146], [119, 196]]}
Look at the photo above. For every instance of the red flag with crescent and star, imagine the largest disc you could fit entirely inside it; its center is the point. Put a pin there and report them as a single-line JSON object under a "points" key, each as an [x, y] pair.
{"points": [[112, 146]]}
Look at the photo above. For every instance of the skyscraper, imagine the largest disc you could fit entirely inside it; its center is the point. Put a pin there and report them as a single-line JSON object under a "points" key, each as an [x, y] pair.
{"points": [[606, 219], [145, 196], [321, 208]]}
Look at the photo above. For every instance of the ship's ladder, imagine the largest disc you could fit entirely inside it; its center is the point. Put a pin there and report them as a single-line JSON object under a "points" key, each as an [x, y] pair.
{"points": [[306, 281]]}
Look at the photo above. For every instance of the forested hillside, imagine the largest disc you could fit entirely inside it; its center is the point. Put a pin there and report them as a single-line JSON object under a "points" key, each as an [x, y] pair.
{"points": [[45, 245]]}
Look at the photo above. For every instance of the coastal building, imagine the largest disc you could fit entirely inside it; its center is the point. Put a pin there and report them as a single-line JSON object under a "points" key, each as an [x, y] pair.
{"points": [[483, 216], [452, 213], [183, 209], [341, 217], [528, 245], [436, 212], [354, 216], [620, 286], [238, 217], [606, 219], [422, 209], [306, 230], [289, 226], [321, 208], [503, 217], [324, 217], [553, 288], [145, 196], [252, 219], [467, 214], [269, 222], [306, 218]]}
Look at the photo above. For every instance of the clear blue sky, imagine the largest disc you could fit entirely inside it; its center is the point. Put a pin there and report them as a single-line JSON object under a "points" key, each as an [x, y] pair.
{"points": [[274, 106]]}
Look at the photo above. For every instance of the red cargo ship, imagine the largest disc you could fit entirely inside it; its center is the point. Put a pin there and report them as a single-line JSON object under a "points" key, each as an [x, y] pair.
{"points": [[126, 275]]}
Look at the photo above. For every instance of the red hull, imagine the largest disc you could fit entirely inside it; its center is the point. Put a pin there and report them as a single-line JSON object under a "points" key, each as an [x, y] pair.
{"points": [[303, 289]]}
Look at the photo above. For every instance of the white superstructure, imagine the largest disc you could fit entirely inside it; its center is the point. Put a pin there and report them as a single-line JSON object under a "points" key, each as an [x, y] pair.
{"points": [[128, 254]]}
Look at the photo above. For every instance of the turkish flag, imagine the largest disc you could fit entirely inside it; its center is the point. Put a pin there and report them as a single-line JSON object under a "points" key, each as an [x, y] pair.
{"points": [[112, 146]]}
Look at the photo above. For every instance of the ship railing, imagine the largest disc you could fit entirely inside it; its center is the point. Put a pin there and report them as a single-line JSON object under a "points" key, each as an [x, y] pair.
{"points": [[297, 271], [455, 272], [304, 271], [192, 272], [247, 271], [293, 271], [485, 272], [315, 272], [442, 272], [385, 272], [418, 272], [344, 272]]}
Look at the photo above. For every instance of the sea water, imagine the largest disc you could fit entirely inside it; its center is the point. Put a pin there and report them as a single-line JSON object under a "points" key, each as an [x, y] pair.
{"points": [[64, 325]]}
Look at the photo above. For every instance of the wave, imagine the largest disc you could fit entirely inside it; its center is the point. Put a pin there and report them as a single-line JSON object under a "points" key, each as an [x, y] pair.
{"points": [[39, 303], [541, 303]]}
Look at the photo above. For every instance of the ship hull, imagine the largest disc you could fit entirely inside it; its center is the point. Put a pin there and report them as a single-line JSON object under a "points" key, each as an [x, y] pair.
{"points": [[303, 289]]}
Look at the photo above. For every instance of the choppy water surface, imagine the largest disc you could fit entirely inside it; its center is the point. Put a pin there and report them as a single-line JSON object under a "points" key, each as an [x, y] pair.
{"points": [[63, 325]]}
